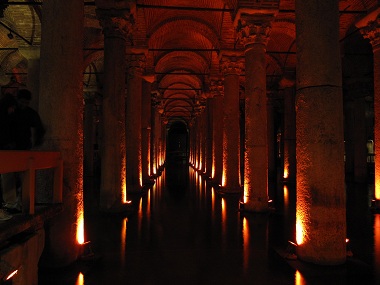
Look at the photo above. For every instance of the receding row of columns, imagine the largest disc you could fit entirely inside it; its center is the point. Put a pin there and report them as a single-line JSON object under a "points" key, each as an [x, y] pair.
{"points": [[127, 161], [317, 141]]}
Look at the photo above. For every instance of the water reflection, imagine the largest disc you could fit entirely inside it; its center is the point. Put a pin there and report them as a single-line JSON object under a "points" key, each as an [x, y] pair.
{"points": [[183, 231]]}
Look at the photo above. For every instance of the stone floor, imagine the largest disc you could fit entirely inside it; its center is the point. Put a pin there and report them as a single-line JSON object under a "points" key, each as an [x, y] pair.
{"points": [[183, 232]]}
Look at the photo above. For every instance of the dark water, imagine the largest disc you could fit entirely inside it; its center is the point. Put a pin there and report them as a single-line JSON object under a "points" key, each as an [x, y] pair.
{"points": [[183, 232]]}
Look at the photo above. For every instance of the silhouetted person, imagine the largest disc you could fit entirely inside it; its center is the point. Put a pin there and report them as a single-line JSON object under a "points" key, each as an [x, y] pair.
{"points": [[8, 105], [27, 125], [27, 132]]}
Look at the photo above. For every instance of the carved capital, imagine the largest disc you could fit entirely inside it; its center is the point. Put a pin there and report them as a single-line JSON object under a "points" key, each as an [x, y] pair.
{"points": [[372, 32], [253, 29], [136, 64], [216, 87], [116, 23], [231, 65]]}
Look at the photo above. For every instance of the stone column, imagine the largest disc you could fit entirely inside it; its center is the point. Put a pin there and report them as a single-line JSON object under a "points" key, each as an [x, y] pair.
{"points": [[136, 64], [321, 203], [370, 27], [209, 142], [32, 54], [231, 67], [146, 133], [217, 89], [90, 201], [289, 134], [254, 34], [116, 27], [61, 110]]}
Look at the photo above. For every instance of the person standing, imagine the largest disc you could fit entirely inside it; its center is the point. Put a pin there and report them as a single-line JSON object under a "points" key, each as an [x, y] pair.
{"points": [[27, 132], [8, 105]]}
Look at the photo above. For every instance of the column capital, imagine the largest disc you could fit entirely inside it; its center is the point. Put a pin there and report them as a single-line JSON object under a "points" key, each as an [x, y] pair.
{"points": [[116, 23], [370, 28], [254, 29], [216, 87], [231, 63], [136, 64]]}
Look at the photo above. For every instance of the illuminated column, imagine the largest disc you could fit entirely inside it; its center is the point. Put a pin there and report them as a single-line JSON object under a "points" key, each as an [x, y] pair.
{"points": [[32, 54], [289, 134], [254, 34], [89, 135], [116, 25], [231, 67], [209, 144], [146, 132], [370, 27], [136, 63], [321, 203], [217, 89], [61, 110]]}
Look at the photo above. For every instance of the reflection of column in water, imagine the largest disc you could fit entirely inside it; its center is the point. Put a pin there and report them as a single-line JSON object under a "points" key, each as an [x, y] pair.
{"points": [[224, 223], [123, 239], [139, 218], [299, 280], [246, 250], [80, 280], [376, 229]]}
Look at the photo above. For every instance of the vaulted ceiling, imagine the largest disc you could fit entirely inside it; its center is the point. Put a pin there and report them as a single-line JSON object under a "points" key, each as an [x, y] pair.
{"points": [[183, 40]]}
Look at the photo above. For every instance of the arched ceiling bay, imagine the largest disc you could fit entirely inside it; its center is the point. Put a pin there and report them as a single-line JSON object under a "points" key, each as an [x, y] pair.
{"points": [[183, 38]]}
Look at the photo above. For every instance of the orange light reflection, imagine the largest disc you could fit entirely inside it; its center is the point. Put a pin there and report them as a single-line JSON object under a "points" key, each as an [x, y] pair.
{"points": [[299, 280], [80, 280], [245, 244]]}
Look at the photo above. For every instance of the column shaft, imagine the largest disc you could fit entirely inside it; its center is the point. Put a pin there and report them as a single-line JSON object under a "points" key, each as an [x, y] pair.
{"points": [[133, 122], [320, 146], [231, 128], [61, 110], [256, 131]]}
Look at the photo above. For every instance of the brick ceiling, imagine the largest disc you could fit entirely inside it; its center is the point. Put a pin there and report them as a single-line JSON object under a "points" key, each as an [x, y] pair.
{"points": [[183, 40]]}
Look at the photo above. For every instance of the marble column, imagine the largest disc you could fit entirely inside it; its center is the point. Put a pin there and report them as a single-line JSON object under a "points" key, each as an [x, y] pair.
{"points": [[61, 111], [321, 202], [32, 54], [231, 67], [217, 89], [209, 142], [116, 28], [146, 126], [370, 27], [136, 64], [254, 34], [289, 133]]}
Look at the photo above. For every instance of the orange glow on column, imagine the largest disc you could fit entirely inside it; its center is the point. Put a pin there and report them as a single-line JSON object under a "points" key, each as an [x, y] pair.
{"points": [[299, 232], [212, 172], [123, 180], [80, 217], [224, 178], [377, 189], [286, 173]]}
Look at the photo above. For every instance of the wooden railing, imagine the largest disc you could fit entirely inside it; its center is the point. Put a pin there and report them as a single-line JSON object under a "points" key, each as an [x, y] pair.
{"points": [[28, 162]]}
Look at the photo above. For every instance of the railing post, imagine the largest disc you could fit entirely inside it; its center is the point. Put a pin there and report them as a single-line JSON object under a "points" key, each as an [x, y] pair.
{"points": [[28, 188], [58, 180]]}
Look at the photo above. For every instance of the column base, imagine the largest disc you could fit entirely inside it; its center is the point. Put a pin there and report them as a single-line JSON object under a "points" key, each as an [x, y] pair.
{"points": [[230, 190], [118, 209], [255, 205], [149, 182], [375, 205]]}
